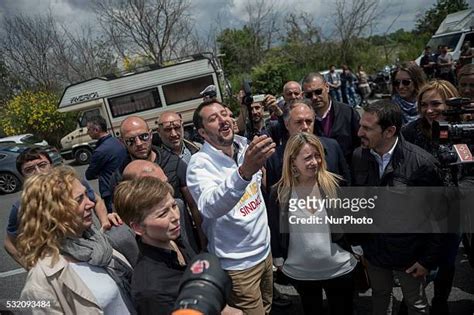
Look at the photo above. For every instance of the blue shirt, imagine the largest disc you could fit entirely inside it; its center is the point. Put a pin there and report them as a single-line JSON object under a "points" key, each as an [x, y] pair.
{"points": [[14, 223], [107, 157]]}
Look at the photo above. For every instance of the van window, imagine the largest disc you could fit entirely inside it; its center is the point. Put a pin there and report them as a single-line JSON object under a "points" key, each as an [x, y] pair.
{"points": [[186, 90], [450, 40], [134, 103], [86, 115], [469, 38]]}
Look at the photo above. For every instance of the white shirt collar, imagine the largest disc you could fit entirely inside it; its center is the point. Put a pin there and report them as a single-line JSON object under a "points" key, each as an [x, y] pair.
{"points": [[384, 159], [327, 111]]}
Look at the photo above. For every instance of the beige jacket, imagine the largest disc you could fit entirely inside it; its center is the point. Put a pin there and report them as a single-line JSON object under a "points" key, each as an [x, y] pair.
{"points": [[60, 285]]}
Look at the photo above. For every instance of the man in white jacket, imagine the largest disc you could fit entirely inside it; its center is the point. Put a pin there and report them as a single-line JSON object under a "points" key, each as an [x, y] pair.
{"points": [[224, 178]]}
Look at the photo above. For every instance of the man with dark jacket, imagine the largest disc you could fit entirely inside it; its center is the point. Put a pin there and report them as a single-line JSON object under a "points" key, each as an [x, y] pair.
{"points": [[108, 156], [300, 118], [386, 159], [335, 120], [171, 131]]}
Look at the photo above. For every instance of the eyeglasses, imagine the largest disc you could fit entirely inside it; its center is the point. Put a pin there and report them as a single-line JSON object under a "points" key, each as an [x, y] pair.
{"points": [[30, 170], [313, 92], [143, 137], [404, 82]]}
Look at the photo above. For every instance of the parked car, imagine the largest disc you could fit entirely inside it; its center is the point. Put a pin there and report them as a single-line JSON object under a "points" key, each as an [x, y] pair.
{"points": [[10, 179], [26, 138]]}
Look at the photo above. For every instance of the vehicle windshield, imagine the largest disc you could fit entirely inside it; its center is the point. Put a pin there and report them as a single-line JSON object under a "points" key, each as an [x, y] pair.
{"points": [[30, 139], [13, 148], [450, 40], [85, 116]]}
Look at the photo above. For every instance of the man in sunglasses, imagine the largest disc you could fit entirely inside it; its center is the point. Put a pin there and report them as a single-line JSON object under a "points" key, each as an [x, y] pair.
{"points": [[108, 155], [137, 138], [333, 119]]}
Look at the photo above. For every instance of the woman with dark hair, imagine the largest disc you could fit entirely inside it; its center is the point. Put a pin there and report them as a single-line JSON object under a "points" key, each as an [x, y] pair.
{"points": [[72, 266], [407, 81], [308, 254]]}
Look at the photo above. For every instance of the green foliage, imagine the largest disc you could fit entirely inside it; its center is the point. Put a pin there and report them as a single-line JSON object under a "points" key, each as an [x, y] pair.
{"points": [[36, 112], [242, 49], [429, 22], [270, 75]]}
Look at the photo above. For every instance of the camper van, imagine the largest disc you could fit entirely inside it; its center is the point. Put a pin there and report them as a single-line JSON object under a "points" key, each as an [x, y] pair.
{"points": [[146, 94], [455, 30]]}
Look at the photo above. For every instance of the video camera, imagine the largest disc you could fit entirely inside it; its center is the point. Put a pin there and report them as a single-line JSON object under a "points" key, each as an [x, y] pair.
{"points": [[204, 288], [455, 137]]}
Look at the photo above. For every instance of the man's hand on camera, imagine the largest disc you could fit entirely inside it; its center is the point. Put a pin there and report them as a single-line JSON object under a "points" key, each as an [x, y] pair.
{"points": [[270, 103], [258, 151]]}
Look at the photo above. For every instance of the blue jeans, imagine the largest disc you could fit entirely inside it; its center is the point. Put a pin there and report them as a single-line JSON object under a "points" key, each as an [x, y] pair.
{"points": [[335, 94]]}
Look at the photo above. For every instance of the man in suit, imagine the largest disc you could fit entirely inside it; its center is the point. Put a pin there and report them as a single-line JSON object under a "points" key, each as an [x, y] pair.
{"points": [[335, 120], [300, 118]]}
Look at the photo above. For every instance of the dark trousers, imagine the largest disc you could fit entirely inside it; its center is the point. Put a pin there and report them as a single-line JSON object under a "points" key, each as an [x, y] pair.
{"points": [[339, 292]]}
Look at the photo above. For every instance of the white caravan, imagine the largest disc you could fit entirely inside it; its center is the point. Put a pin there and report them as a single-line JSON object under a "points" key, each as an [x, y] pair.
{"points": [[146, 94]]}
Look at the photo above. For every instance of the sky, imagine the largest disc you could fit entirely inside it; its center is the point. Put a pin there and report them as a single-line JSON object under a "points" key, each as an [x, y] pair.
{"points": [[76, 13]]}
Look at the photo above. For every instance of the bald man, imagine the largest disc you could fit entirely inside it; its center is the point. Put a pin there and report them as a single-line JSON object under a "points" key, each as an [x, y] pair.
{"points": [[137, 136], [291, 91], [171, 131], [143, 168]]}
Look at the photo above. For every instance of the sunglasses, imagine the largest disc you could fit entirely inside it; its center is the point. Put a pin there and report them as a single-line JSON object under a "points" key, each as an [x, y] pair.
{"points": [[143, 137], [171, 125], [404, 82], [313, 92]]}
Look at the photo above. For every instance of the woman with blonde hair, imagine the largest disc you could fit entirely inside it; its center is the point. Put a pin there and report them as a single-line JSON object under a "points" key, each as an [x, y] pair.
{"points": [[71, 263], [308, 254], [431, 102]]}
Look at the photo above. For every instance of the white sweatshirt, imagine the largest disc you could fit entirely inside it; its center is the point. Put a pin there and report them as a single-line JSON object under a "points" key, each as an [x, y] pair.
{"points": [[232, 209]]}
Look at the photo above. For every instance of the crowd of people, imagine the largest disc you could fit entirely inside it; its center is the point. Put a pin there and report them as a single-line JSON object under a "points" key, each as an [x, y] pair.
{"points": [[125, 250]]}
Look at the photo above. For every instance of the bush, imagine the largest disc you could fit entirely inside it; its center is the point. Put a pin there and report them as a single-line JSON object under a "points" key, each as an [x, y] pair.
{"points": [[36, 112]]}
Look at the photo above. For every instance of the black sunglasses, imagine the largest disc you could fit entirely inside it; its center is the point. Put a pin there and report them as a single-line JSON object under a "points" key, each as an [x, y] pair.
{"points": [[311, 93], [404, 82], [143, 137]]}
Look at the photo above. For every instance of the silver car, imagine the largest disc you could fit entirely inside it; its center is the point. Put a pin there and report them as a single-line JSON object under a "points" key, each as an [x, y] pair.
{"points": [[10, 179]]}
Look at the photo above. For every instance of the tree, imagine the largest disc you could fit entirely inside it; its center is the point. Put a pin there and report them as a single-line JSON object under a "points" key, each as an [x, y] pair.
{"points": [[429, 22], [270, 75], [36, 112], [156, 30], [82, 56], [27, 49], [43, 55], [241, 48], [301, 38], [263, 21], [352, 20]]}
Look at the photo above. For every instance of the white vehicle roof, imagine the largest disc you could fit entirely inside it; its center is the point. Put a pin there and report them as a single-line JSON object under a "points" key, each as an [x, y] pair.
{"points": [[456, 22], [21, 138], [99, 88]]}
